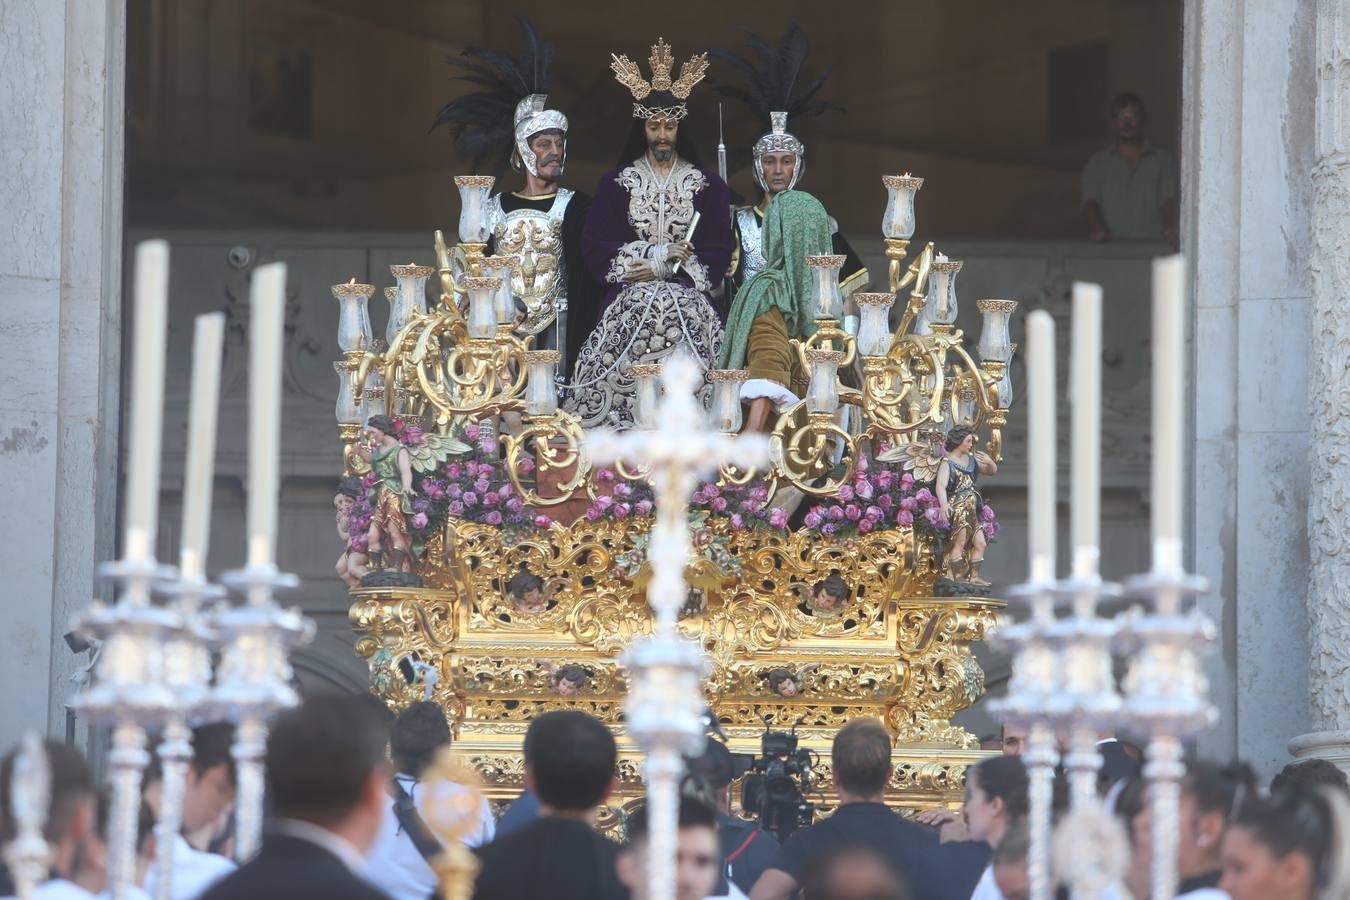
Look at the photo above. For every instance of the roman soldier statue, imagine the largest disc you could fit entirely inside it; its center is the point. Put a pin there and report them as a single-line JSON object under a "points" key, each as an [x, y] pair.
{"points": [[659, 236], [538, 226]]}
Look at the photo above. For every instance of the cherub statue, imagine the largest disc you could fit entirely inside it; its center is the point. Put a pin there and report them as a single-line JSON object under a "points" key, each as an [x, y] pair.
{"points": [[960, 502], [570, 679], [954, 475], [788, 684], [830, 595], [351, 565], [393, 462], [529, 594]]}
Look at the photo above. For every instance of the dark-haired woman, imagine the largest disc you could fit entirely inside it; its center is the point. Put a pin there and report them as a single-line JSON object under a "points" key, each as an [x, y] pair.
{"points": [[1286, 847], [996, 799]]}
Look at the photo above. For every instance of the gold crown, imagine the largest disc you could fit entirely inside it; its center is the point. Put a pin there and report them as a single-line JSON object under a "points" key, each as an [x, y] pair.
{"points": [[629, 74]]}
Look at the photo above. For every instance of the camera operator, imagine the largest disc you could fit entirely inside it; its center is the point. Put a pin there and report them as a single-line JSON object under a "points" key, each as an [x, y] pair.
{"points": [[861, 764], [747, 849]]}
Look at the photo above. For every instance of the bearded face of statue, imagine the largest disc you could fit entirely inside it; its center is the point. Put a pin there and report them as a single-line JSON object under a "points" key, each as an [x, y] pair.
{"points": [[661, 135]]}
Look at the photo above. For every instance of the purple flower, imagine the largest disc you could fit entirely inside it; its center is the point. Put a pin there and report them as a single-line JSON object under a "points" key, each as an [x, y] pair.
{"points": [[885, 501], [482, 484], [908, 504], [644, 507], [932, 514], [604, 503], [593, 514], [419, 521], [759, 492], [493, 518], [622, 490], [526, 466], [621, 510], [874, 512], [987, 513], [905, 518], [454, 490], [812, 520], [514, 505], [778, 518], [542, 521], [711, 490], [884, 479], [453, 470], [865, 526], [835, 513], [907, 481], [719, 504], [470, 498], [923, 495], [852, 512], [472, 432], [827, 528], [845, 493], [490, 498], [456, 508], [737, 522], [865, 491], [604, 475]]}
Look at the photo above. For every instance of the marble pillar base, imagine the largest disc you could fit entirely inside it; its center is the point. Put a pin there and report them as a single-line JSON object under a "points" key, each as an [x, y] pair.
{"points": [[1333, 746]]}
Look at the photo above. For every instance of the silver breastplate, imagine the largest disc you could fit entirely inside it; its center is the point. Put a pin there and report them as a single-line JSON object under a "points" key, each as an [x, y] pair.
{"points": [[752, 241], [533, 238]]}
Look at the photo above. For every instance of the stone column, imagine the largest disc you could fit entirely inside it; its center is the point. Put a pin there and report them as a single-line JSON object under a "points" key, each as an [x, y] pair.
{"points": [[1328, 388], [61, 128]]}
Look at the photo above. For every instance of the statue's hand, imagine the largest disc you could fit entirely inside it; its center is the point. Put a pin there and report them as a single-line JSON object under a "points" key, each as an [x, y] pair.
{"points": [[639, 271], [679, 251]]}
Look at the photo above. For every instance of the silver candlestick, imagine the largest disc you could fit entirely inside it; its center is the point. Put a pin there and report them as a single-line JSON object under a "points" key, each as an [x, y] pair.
{"points": [[128, 693], [1166, 694], [187, 673], [254, 681], [28, 855], [664, 706]]}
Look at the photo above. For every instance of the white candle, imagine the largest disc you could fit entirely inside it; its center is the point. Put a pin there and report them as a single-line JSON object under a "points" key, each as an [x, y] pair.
{"points": [[1086, 368], [147, 398], [267, 307], [1169, 308], [201, 444], [1041, 445]]}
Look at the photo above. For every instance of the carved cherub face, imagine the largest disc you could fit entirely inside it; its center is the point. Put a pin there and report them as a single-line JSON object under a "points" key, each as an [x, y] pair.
{"points": [[570, 680], [783, 682], [824, 601], [786, 688], [532, 601], [567, 687], [342, 503]]}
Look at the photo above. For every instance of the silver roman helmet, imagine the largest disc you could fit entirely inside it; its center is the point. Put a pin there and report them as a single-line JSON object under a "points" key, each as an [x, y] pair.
{"points": [[531, 118], [779, 140]]}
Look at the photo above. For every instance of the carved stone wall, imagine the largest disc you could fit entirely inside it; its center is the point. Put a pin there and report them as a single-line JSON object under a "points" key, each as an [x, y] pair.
{"points": [[1329, 392]]}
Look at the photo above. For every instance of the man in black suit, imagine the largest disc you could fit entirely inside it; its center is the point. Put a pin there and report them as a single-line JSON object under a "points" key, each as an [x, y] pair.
{"points": [[569, 765], [326, 778]]}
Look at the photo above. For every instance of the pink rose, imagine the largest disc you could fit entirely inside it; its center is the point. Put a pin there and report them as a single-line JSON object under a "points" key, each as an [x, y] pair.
{"points": [[454, 490], [865, 491], [621, 510], [835, 513], [905, 518], [845, 493], [482, 484], [812, 520], [493, 518], [470, 498], [622, 490], [885, 501], [865, 526], [907, 481], [472, 432], [360, 543], [884, 479], [514, 505], [604, 475], [908, 504], [456, 508], [542, 521], [852, 512], [593, 514], [932, 515], [737, 522], [873, 512], [490, 498], [644, 507], [923, 495], [419, 521], [604, 503], [526, 466], [778, 518], [986, 513], [711, 490], [719, 504]]}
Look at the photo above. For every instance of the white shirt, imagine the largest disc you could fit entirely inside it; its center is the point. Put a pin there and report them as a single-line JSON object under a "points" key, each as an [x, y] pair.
{"points": [[60, 889], [1204, 893], [987, 888], [395, 866], [194, 871]]}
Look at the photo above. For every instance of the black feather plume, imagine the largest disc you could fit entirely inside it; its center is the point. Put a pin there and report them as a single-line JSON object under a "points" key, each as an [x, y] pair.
{"points": [[772, 76], [482, 121]]}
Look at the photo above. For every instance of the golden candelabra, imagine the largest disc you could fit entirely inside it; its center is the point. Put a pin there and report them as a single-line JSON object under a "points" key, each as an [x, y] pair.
{"points": [[891, 648]]}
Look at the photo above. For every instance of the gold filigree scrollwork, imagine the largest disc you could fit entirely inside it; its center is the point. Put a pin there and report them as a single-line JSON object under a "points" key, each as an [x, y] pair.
{"points": [[538, 438]]}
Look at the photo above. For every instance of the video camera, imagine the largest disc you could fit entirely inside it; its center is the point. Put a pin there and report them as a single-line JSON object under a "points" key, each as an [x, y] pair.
{"points": [[778, 781]]}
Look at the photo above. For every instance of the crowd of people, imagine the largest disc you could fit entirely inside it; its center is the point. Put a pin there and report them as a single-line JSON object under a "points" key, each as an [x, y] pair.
{"points": [[348, 805]]}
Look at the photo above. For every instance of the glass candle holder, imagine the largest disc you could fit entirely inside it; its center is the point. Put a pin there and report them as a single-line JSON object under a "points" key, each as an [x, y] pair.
{"points": [[825, 297], [1003, 390], [482, 317], [353, 317], [348, 411], [400, 311], [541, 389], [940, 305], [412, 281], [822, 394], [503, 301], [967, 402], [372, 399], [995, 345], [647, 393], [874, 332], [725, 412], [898, 223], [473, 198]]}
